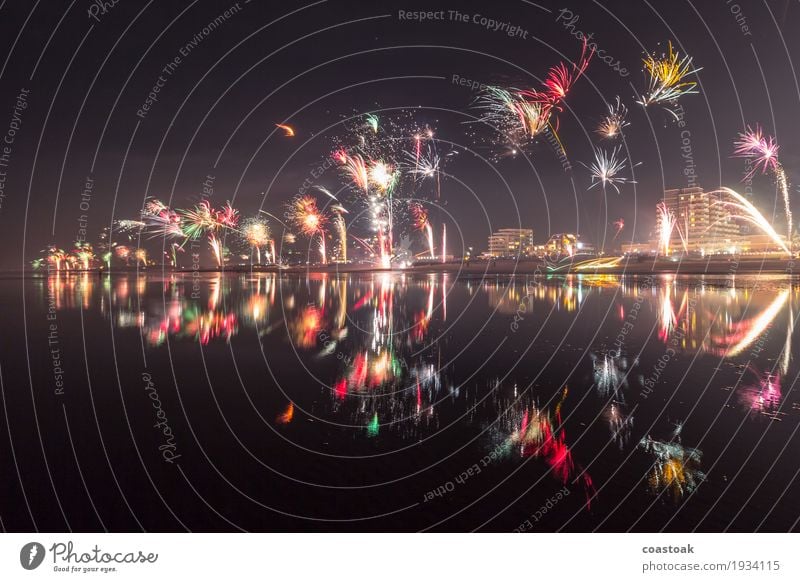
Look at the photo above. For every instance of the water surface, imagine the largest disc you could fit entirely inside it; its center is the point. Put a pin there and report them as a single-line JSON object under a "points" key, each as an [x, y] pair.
{"points": [[397, 402]]}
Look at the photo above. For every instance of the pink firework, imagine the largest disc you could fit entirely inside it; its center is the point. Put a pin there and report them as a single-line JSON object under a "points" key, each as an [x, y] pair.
{"points": [[562, 77], [227, 216], [763, 150]]}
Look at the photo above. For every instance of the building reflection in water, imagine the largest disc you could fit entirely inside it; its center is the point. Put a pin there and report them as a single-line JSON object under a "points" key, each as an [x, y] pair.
{"points": [[385, 335]]}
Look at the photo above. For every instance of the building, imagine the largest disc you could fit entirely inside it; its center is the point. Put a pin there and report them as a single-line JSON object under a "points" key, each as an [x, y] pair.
{"points": [[511, 242], [567, 244], [703, 222]]}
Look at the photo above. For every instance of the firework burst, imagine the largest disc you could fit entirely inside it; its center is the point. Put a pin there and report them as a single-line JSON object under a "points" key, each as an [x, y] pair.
{"points": [[255, 234], [199, 220], [153, 206], [309, 219], [519, 116], [512, 115], [614, 122], [166, 223], [606, 168], [382, 176], [562, 77], [667, 77]]}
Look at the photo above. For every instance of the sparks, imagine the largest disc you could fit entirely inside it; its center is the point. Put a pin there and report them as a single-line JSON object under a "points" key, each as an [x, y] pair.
{"points": [[606, 168], [614, 122], [667, 77]]}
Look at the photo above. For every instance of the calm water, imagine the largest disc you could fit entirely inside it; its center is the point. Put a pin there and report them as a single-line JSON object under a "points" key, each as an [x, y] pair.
{"points": [[392, 402]]}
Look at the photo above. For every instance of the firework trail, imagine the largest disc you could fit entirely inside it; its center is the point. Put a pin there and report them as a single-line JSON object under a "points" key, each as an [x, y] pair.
{"points": [[619, 225], [216, 248], [734, 201], [288, 130], [606, 167], [354, 168], [763, 150], [665, 227], [444, 242], [327, 193], [614, 122], [667, 77], [175, 248], [341, 228], [422, 223]]}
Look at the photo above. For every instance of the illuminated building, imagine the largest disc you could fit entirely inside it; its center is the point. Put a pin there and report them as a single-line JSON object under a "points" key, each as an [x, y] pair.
{"points": [[703, 222], [511, 242]]}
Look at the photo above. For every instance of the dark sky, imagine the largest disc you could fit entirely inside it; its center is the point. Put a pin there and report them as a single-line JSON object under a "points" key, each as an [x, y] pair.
{"points": [[315, 64]]}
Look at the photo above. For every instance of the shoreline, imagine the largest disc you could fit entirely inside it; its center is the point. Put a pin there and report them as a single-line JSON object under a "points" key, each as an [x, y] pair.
{"points": [[631, 266]]}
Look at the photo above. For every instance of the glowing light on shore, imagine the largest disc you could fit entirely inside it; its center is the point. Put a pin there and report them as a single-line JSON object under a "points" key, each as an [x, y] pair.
{"points": [[599, 264], [665, 227]]}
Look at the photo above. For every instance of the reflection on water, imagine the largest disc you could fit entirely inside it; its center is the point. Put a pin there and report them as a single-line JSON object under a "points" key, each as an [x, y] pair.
{"points": [[676, 469], [394, 351]]}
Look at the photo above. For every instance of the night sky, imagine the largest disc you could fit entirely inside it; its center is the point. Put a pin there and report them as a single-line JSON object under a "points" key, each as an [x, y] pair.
{"points": [[85, 71]]}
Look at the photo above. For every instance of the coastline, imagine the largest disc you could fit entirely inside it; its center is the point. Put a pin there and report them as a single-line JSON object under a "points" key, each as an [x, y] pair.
{"points": [[629, 266]]}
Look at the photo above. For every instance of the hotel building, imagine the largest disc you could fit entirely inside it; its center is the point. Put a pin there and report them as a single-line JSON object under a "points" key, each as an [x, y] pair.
{"points": [[511, 242]]}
